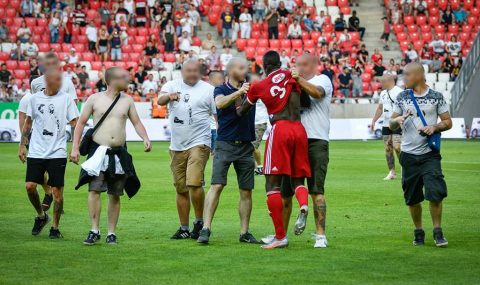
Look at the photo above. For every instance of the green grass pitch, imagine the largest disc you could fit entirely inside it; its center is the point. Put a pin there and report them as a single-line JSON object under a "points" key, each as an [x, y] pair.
{"points": [[368, 227]]}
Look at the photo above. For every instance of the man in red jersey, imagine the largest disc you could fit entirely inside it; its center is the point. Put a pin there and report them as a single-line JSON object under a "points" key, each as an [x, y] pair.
{"points": [[286, 153]]}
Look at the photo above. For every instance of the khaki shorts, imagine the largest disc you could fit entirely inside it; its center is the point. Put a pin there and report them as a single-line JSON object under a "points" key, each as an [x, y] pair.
{"points": [[259, 131], [114, 186], [396, 139], [188, 167]]}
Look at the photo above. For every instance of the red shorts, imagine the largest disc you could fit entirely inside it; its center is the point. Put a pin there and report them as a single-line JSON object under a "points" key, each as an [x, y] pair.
{"points": [[287, 150]]}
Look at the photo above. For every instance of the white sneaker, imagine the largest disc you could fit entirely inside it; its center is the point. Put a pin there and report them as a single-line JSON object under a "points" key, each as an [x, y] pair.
{"points": [[320, 241], [391, 175], [276, 243], [268, 239]]}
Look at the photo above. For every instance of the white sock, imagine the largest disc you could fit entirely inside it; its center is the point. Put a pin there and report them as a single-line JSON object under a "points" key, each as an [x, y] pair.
{"points": [[109, 233], [95, 231]]}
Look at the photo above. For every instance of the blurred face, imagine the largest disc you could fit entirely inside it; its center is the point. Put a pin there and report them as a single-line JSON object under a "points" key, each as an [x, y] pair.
{"points": [[51, 63], [306, 67], [120, 80], [387, 82], [53, 80], [239, 71], [412, 76], [216, 79], [191, 73]]}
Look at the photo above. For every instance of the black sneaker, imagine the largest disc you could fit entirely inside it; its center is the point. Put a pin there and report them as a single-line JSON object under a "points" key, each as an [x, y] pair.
{"points": [[92, 238], [181, 234], [204, 236], [111, 239], [419, 237], [197, 227], [47, 202], [54, 234], [248, 238], [438, 237], [259, 170], [39, 224]]}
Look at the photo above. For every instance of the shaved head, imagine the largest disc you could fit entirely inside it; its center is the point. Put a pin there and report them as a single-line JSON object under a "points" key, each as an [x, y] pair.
{"points": [[191, 72], [414, 75], [237, 69], [307, 65], [388, 81]]}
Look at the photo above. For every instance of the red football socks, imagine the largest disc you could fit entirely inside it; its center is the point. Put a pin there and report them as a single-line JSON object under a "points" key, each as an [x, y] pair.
{"points": [[301, 193], [275, 206]]}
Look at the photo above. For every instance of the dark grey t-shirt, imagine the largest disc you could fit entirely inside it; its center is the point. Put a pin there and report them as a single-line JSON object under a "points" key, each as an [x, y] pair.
{"points": [[432, 104]]}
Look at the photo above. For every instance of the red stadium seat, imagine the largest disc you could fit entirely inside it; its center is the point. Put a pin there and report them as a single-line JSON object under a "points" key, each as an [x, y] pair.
{"points": [[136, 57], [433, 11], [402, 36], [427, 37], [96, 65], [126, 57], [414, 36], [425, 29], [366, 77], [309, 44], [327, 28], [255, 35], [11, 64], [433, 20], [170, 57], [132, 64], [468, 4], [92, 14], [341, 3], [274, 44], [81, 39], [15, 4], [17, 22], [305, 35], [126, 48], [142, 32], [471, 20], [196, 41], [463, 37], [369, 68], [263, 43], [421, 20], [331, 3], [38, 30], [42, 22], [442, 4], [250, 52], [417, 45], [314, 35], [475, 11], [88, 56], [285, 44], [66, 47], [4, 56], [412, 28], [11, 13], [408, 20], [94, 5], [439, 29], [376, 85], [31, 22], [142, 40], [36, 38], [24, 65], [80, 48], [366, 87], [120, 64], [137, 48], [241, 44], [252, 43], [260, 51], [297, 44], [20, 74], [4, 3]]}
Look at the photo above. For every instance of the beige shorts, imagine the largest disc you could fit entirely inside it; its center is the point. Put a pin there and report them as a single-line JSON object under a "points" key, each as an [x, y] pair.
{"points": [[259, 131], [114, 186], [188, 167], [396, 139]]}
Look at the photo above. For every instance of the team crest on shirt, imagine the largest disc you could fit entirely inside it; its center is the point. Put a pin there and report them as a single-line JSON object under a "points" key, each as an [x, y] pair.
{"points": [[278, 78]]}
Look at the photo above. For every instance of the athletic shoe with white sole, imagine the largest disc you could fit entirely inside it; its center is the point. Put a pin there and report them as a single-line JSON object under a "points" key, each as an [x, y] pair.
{"points": [[440, 240], [320, 241], [301, 222], [419, 237], [391, 175], [268, 239], [277, 243]]}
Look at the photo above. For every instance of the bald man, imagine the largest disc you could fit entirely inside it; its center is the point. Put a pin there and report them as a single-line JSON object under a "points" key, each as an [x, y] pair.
{"points": [[234, 146], [316, 121], [421, 167], [190, 103], [391, 139]]}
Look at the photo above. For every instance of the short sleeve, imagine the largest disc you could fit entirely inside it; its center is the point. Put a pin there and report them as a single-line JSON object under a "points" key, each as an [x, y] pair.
{"points": [[252, 95], [218, 91], [324, 82], [23, 104], [29, 108], [72, 93], [213, 106], [167, 87], [397, 106], [72, 110], [442, 106]]}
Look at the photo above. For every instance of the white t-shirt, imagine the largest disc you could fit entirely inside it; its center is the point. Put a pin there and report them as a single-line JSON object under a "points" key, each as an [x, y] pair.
{"points": [[31, 49], [38, 84], [388, 103], [316, 119], [22, 105], [91, 33], [190, 116], [225, 59], [50, 115], [261, 114], [245, 21], [147, 85], [412, 54]]}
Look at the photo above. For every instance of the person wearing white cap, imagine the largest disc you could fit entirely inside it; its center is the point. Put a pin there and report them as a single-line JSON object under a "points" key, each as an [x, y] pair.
{"points": [[72, 57]]}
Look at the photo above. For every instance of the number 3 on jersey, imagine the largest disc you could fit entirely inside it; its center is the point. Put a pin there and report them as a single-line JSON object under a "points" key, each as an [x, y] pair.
{"points": [[277, 90]]}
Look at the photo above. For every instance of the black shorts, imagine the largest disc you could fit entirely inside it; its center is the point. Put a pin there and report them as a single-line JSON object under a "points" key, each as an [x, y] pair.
{"points": [[386, 131], [385, 36], [318, 156], [238, 154], [419, 172], [55, 167]]}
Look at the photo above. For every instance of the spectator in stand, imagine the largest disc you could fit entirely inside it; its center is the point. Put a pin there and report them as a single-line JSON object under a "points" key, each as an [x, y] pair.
{"points": [[460, 14], [378, 69], [438, 45], [122, 29], [237, 7], [29, 49], [376, 56], [91, 32], [420, 7], [103, 43], [168, 36], [24, 33], [447, 64], [319, 21], [455, 69], [67, 25], [345, 83], [83, 77], [149, 84], [260, 10], [323, 54], [407, 6], [285, 60], [54, 27], [185, 43], [227, 27], [150, 50], [426, 56], [122, 12], [340, 23], [454, 47], [225, 58], [334, 53], [115, 46], [363, 54], [140, 76], [45, 9], [294, 30], [322, 40], [354, 24], [208, 43], [79, 16], [4, 75], [386, 33], [213, 59], [245, 24], [57, 5], [72, 57], [16, 51], [187, 25], [3, 31], [344, 36], [104, 13], [37, 8], [26, 8], [101, 85], [447, 16], [395, 14], [357, 83], [411, 54], [194, 18], [282, 12], [34, 69], [272, 19], [328, 71], [290, 5], [157, 62], [23, 90]]}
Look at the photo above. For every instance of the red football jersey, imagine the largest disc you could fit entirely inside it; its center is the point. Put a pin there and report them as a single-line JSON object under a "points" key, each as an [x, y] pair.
{"points": [[274, 90]]}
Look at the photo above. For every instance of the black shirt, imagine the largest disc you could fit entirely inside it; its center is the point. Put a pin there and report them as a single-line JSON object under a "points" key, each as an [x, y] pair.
{"points": [[140, 76], [150, 51], [101, 86], [344, 80], [5, 76], [379, 69], [354, 22]]}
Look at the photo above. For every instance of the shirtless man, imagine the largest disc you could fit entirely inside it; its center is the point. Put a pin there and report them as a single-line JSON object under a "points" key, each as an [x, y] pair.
{"points": [[286, 153], [110, 137]]}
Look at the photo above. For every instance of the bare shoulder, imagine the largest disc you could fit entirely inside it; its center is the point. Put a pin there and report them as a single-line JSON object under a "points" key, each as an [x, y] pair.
{"points": [[94, 97]]}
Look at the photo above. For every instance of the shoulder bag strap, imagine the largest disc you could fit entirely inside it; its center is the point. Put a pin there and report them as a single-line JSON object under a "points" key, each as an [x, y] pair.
{"points": [[106, 113], [419, 112]]}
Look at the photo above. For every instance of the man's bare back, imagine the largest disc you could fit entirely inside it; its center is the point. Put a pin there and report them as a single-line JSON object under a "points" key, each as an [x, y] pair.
{"points": [[291, 111], [112, 131]]}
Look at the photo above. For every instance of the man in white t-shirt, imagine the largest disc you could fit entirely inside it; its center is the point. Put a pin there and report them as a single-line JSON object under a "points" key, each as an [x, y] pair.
{"points": [[316, 120], [245, 24], [91, 33], [225, 57], [47, 114], [391, 139], [191, 104], [148, 84]]}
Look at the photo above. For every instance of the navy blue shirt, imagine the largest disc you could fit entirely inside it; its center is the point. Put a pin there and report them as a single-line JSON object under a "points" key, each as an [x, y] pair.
{"points": [[231, 127]]}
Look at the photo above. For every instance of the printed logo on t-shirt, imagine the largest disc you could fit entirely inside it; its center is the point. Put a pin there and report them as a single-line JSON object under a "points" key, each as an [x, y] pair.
{"points": [[278, 78], [51, 122]]}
